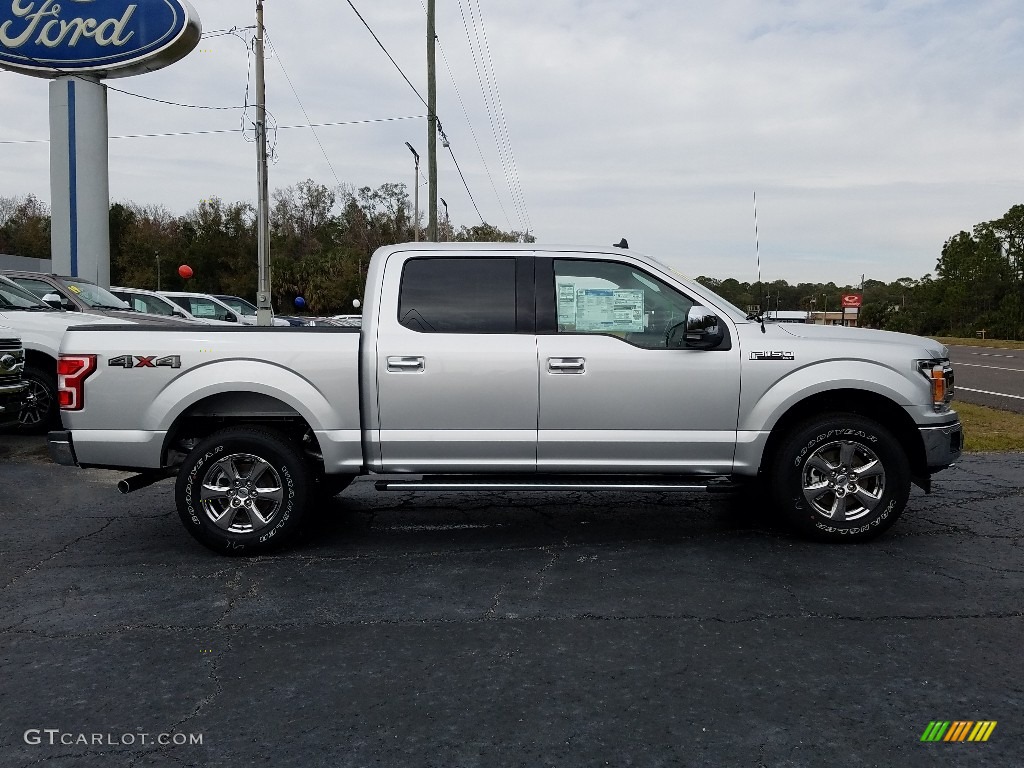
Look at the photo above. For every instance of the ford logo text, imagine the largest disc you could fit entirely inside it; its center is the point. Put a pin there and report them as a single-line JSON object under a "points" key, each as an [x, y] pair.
{"points": [[103, 38]]}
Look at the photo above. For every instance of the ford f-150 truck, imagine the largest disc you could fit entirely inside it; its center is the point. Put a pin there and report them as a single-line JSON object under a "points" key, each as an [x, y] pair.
{"points": [[512, 367]]}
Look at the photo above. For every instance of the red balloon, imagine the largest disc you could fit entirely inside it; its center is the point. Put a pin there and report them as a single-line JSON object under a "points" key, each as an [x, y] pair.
{"points": [[185, 271]]}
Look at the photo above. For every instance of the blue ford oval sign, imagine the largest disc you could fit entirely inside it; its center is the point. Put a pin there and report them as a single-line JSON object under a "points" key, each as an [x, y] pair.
{"points": [[104, 38]]}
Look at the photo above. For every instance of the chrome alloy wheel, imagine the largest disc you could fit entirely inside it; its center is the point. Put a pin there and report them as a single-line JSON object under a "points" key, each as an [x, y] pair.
{"points": [[241, 493], [843, 481]]}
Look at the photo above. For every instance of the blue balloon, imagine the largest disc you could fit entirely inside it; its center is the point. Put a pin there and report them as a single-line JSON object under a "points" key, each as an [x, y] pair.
{"points": [[299, 302]]}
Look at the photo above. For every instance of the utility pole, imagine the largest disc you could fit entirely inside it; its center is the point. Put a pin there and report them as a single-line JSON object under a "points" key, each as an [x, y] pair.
{"points": [[431, 125], [264, 311], [416, 194]]}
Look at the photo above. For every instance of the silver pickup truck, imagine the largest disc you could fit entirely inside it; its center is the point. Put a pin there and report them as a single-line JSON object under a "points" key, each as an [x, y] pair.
{"points": [[512, 367]]}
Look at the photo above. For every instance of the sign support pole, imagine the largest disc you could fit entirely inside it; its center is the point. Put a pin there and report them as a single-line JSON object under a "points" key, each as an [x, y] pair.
{"points": [[79, 182]]}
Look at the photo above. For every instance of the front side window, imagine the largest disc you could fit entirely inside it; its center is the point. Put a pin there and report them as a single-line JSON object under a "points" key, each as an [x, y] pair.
{"points": [[150, 304], [241, 306], [461, 295], [41, 288], [14, 296], [206, 309], [606, 297]]}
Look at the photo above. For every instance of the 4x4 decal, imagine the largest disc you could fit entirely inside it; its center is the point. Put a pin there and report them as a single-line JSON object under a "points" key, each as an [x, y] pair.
{"points": [[143, 361]]}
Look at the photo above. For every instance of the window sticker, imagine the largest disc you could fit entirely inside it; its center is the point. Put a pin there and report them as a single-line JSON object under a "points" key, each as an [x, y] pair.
{"points": [[567, 304], [204, 309], [604, 310], [74, 289]]}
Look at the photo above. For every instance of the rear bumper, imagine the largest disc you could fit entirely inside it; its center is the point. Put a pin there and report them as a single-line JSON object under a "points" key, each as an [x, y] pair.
{"points": [[942, 445], [62, 449]]}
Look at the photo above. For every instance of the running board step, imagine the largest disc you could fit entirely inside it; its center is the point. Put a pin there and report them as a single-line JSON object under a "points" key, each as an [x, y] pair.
{"points": [[666, 484]]}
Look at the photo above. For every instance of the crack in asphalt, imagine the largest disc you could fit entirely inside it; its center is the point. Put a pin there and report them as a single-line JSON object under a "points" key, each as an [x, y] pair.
{"points": [[53, 555]]}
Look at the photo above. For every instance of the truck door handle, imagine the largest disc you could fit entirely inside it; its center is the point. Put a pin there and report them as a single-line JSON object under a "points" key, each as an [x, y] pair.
{"points": [[405, 365], [566, 364]]}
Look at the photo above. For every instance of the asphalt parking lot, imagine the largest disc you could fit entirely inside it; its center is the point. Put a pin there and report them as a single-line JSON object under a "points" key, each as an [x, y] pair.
{"points": [[571, 629]]}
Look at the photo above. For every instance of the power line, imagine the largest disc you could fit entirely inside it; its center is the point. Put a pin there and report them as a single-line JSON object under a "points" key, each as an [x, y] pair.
{"points": [[407, 80], [420, 97], [303, 108], [503, 121], [490, 97], [229, 130], [464, 184], [472, 133]]}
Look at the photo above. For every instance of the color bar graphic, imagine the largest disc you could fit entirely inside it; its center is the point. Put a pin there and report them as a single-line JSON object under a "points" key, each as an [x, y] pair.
{"points": [[958, 730]]}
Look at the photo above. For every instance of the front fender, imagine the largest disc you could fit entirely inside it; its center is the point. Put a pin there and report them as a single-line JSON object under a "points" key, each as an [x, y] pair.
{"points": [[761, 407]]}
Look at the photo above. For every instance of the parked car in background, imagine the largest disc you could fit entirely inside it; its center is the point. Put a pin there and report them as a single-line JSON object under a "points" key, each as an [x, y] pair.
{"points": [[41, 328], [12, 387], [77, 295], [202, 306], [143, 300], [344, 321], [247, 310]]}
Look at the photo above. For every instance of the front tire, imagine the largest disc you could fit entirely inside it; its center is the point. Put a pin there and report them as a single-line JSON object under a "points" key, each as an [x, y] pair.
{"points": [[243, 491], [39, 413], [841, 477]]}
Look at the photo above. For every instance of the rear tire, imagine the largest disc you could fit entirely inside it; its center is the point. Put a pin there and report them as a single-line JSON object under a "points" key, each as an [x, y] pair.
{"points": [[840, 478], [39, 413], [243, 491]]}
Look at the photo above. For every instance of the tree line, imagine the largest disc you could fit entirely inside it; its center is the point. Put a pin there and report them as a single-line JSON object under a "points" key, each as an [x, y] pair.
{"points": [[978, 287], [322, 237]]}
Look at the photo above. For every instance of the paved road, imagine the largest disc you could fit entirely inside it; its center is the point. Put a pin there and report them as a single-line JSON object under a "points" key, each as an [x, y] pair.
{"points": [[989, 376], [574, 629]]}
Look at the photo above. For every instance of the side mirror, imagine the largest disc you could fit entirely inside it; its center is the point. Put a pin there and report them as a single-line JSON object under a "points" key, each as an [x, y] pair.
{"points": [[54, 300], [702, 330], [178, 313], [230, 317]]}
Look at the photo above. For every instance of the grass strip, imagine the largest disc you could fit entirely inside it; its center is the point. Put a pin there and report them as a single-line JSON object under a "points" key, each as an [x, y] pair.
{"points": [[988, 429], [992, 343]]}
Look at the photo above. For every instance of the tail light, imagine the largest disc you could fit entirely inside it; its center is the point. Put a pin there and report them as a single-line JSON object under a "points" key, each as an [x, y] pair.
{"points": [[72, 371]]}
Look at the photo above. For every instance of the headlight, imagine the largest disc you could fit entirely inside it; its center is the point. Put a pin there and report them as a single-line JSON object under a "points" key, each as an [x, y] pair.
{"points": [[940, 375]]}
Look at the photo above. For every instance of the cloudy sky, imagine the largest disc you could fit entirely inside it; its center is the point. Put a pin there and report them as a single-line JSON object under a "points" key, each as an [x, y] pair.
{"points": [[871, 130]]}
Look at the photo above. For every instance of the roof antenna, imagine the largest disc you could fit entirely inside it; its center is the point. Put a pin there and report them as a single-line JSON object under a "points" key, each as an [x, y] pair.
{"points": [[621, 244], [757, 250]]}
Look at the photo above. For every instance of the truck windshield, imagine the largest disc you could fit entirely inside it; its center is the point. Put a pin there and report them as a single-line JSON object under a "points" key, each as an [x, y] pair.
{"points": [[93, 295], [13, 296]]}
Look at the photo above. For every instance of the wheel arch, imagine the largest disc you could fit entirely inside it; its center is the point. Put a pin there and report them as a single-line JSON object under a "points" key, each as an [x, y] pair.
{"points": [[223, 410], [869, 405], [39, 359]]}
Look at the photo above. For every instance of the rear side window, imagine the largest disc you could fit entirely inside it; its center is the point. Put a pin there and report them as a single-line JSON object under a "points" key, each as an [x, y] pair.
{"points": [[458, 295]]}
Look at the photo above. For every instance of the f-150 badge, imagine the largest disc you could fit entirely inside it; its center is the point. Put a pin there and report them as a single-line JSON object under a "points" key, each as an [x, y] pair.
{"points": [[773, 355]]}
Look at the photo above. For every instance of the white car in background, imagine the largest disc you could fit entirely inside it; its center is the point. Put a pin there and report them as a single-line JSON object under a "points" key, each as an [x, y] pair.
{"points": [[247, 309], [154, 303], [203, 306], [41, 328]]}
